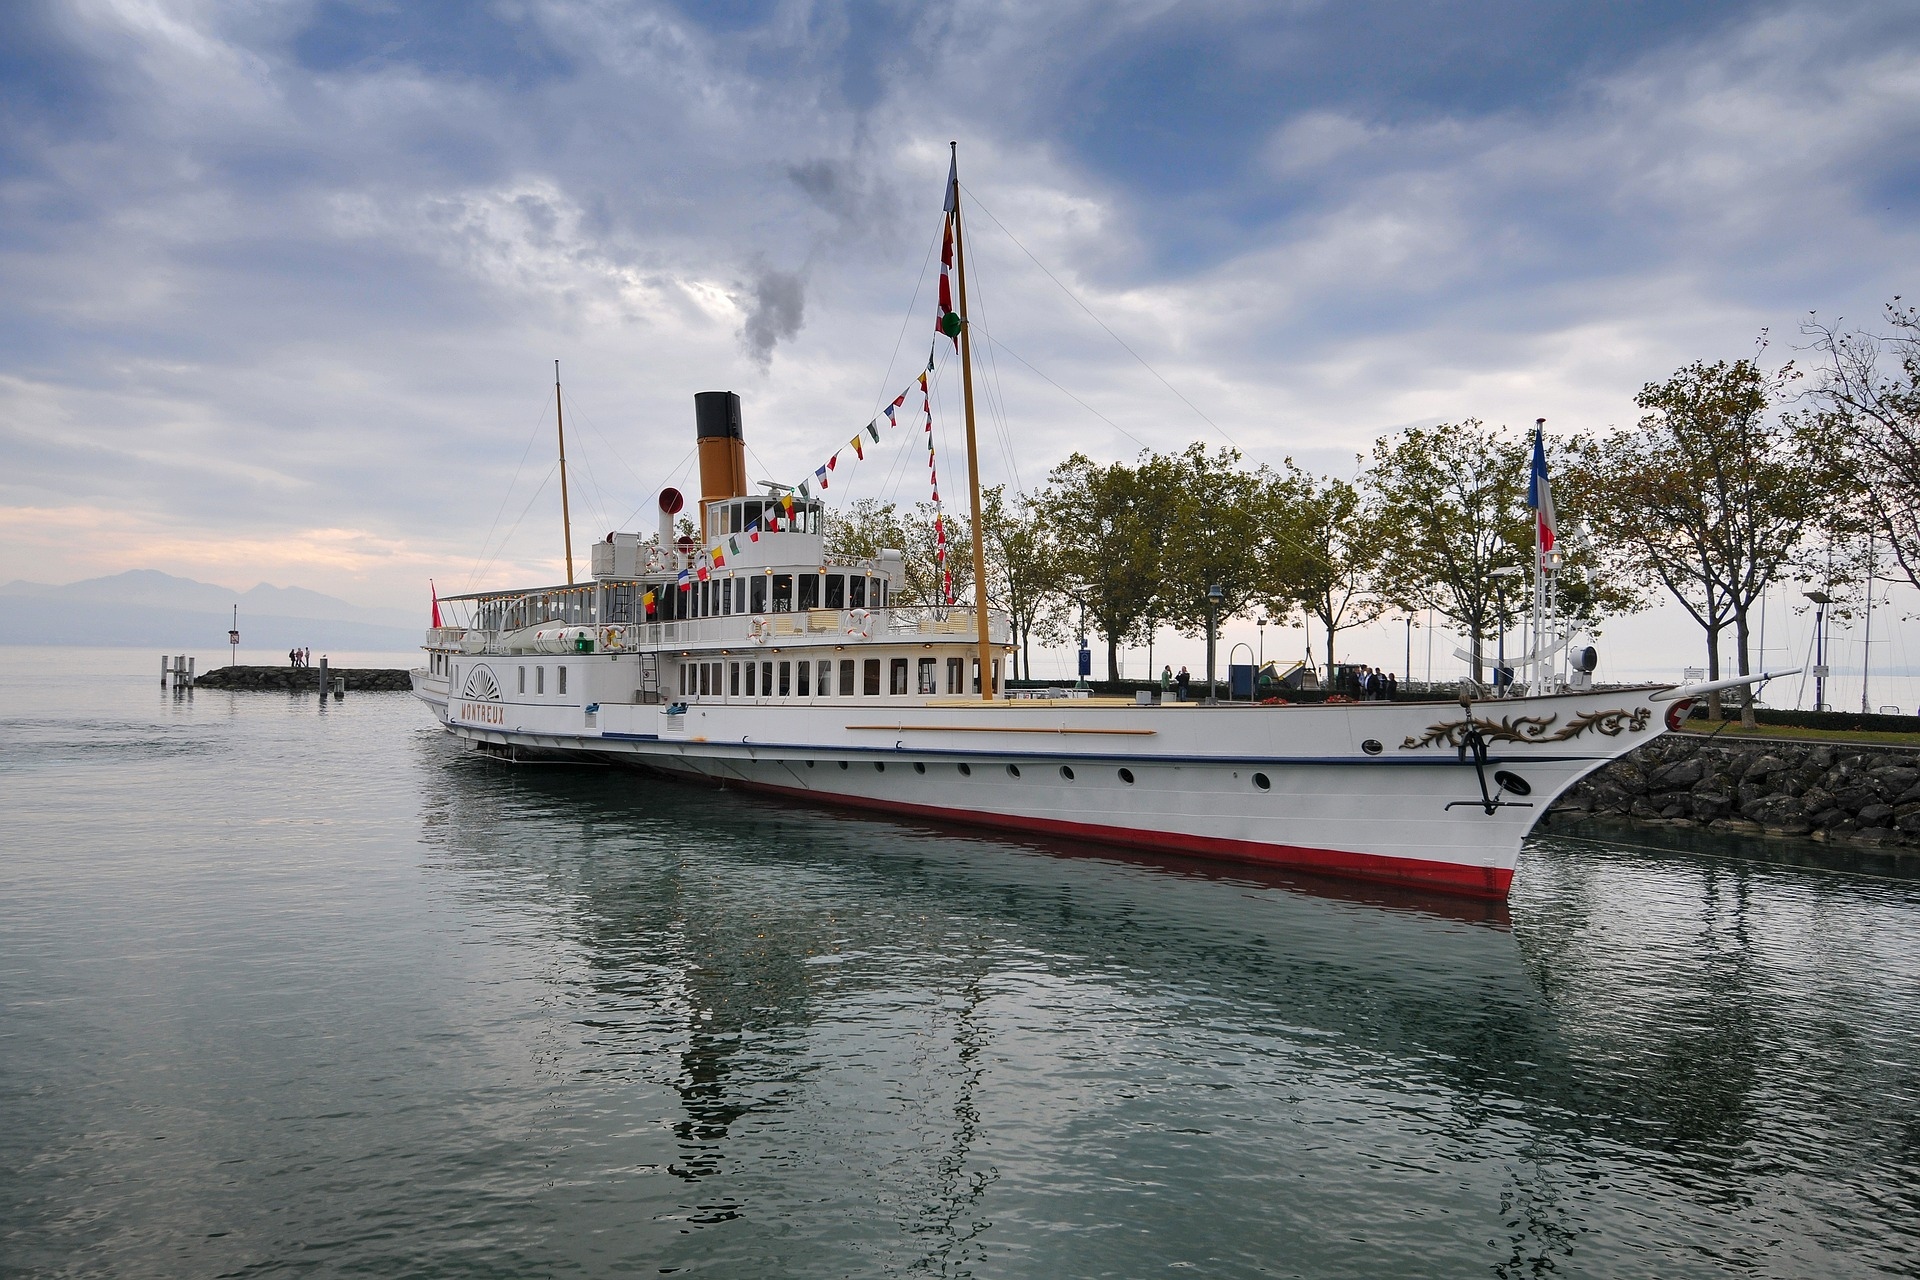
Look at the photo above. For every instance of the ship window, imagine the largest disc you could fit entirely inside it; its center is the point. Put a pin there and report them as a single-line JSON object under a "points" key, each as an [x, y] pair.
{"points": [[786, 678], [539, 679], [705, 679], [733, 679], [846, 677], [825, 687], [766, 679], [1066, 771], [956, 673], [836, 592], [996, 675], [975, 664], [783, 593], [733, 518], [1126, 776], [809, 591], [757, 593], [523, 679], [966, 771], [563, 680], [929, 681], [1262, 781], [898, 682], [706, 599], [1013, 771], [880, 593], [800, 679], [684, 669], [918, 767], [856, 593], [872, 674], [750, 679]]}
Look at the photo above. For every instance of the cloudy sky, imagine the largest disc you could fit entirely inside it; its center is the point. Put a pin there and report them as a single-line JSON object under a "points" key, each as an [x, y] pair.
{"points": [[282, 281]]}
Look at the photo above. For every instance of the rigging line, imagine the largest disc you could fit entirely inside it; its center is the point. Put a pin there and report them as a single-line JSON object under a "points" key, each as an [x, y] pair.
{"points": [[508, 493], [996, 393], [516, 524], [671, 477], [594, 427], [1062, 390], [913, 305], [1097, 320]]}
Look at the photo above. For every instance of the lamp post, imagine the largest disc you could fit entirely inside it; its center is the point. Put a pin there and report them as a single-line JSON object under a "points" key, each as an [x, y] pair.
{"points": [[1820, 601], [1214, 596]]}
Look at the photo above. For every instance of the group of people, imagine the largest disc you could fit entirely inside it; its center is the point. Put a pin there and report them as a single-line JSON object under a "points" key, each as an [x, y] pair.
{"points": [[299, 657], [1364, 684], [1169, 682]]}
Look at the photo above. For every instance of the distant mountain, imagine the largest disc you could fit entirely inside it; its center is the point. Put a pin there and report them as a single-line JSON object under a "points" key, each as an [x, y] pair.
{"points": [[147, 607]]}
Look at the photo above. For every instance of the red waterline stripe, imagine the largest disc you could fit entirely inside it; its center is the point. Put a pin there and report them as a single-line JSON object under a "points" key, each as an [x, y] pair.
{"points": [[1444, 877]]}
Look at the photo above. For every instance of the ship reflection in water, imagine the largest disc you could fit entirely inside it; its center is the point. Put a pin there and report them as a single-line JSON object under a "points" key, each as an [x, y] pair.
{"points": [[794, 1041]]}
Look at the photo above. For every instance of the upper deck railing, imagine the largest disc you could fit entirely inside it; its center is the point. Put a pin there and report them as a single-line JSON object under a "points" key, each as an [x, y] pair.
{"points": [[811, 626]]}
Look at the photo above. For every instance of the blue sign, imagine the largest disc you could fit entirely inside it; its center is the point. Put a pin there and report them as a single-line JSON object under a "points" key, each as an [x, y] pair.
{"points": [[1086, 661]]}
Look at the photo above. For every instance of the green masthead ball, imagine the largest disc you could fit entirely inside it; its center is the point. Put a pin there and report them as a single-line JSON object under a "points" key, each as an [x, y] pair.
{"points": [[950, 324]]}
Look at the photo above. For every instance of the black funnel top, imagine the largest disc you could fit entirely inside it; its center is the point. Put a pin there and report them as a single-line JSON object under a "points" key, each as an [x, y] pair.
{"points": [[717, 413]]}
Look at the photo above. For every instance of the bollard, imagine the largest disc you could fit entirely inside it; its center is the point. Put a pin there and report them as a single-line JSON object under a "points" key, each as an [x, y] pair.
{"points": [[339, 688], [163, 671], [191, 676], [323, 678]]}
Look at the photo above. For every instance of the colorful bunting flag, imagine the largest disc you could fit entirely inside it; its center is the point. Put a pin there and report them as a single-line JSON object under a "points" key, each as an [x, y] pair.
{"points": [[873, 429], [686, 581], [859, 451]]}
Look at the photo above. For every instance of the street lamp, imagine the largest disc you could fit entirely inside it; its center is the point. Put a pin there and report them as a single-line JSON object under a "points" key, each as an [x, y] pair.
{"points": [[1821, 600], [1215, 594]]}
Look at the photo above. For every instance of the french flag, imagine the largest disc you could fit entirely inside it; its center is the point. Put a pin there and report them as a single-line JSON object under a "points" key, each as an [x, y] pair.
{"points": [[1539, 496]]}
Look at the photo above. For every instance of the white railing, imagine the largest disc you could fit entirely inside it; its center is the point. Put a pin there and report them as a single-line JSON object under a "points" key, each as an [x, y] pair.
{"points": [[818, 626]]}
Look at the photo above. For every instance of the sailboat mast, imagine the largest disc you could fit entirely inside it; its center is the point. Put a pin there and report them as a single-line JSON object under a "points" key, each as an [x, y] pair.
{"points": [[973, 452], [566, 516]]}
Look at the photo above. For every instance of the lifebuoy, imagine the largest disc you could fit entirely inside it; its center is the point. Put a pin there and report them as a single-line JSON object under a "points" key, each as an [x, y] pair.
{"points": [[860, 623], [758, 630], [610, 638]]}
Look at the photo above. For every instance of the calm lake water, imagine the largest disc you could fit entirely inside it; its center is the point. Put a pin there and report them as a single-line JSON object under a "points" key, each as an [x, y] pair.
{"points": [[293, 990]]}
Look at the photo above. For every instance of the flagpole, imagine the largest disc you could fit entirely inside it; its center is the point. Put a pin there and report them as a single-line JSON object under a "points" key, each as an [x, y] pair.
{"points": [[1538, 676], [566, 517], [973, 453]]}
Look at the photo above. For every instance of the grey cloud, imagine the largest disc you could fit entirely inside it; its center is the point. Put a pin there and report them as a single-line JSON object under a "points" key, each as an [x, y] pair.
{"points": [[776, 305]]}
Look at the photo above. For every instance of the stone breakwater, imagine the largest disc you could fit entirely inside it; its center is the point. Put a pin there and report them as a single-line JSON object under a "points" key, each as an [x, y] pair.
{"points": [[304, 679], [1821, 791]]}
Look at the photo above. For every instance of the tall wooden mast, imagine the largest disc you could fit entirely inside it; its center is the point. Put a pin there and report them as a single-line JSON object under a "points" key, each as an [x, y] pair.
{"points": [[566, 517], [973, 452]]}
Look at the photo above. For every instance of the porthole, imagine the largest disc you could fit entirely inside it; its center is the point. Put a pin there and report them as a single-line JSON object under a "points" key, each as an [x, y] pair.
{"points": [[1514, 782], [1013, 771], [1066, 771], [1126, 776], [809, 764], [966, 771], [918, 767], [879, 766], [1372, 746], [1262, 781], [844, 765]]}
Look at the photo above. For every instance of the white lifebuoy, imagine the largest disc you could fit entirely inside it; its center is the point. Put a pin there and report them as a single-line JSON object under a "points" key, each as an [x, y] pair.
{"points": [[759, 630], [860, 623], [610, 638]]}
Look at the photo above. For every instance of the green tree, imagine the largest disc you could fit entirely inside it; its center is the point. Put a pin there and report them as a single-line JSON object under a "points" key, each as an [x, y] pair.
{"points": [[1112, 521], [1454, 533], [1023, 569], [1322, 551], [1874, 415], [1215, 536], [1711, 495]]}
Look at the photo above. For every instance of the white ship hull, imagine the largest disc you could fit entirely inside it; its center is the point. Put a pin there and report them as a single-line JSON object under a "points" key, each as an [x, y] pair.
{"points": [[1380, 791]]}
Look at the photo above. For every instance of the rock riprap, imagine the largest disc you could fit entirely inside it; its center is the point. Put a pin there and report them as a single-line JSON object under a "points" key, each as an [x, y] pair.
{"points": [[1822, 791], [305, 679]]}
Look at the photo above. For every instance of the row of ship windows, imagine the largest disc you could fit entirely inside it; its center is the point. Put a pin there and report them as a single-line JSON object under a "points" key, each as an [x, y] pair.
{"points": [[1260, 780], [442, 664], [804, 679]]}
